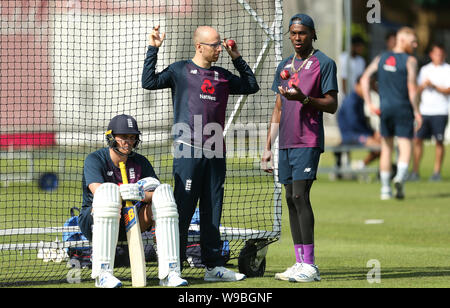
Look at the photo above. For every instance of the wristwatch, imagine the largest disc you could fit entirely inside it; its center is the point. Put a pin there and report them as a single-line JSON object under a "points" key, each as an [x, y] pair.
{"points": [[307, 100]]}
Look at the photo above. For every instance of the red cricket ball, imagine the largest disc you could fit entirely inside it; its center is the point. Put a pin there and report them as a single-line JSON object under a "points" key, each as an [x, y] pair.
{"points": [[285, 75], [231, 43]]}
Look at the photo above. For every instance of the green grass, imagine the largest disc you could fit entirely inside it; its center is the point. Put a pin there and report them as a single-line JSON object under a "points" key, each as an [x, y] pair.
{"points": [[411, 245]]}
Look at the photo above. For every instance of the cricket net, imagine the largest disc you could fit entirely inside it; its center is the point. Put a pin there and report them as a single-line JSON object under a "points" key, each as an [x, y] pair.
{"points": [[68, 67]]}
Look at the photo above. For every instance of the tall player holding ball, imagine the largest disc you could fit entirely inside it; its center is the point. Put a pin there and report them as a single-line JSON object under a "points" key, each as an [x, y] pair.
{"points": [[306, 86]]}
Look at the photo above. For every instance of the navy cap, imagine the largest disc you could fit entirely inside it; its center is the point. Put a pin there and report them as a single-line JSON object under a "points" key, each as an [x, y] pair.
{"points": [[123, 124], [303, 19]]}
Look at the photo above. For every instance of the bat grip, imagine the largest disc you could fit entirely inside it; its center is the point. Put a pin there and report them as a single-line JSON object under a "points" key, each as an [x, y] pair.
{"points": [[123, 171]]}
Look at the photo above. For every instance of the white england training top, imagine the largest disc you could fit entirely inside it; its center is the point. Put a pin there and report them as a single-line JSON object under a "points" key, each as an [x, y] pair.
{"points": [[432, 101]]}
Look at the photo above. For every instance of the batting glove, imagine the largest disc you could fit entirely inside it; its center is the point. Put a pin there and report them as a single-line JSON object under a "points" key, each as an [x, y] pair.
{"points": [[149, 183], [132, 192]]}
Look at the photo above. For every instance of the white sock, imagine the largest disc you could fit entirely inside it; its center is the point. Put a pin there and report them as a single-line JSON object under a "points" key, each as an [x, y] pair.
{"points": [[402, 171], [385, 178]]}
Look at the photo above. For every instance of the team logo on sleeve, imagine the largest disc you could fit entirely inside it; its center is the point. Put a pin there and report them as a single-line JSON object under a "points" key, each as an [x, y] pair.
{"points": [[390, 64]]}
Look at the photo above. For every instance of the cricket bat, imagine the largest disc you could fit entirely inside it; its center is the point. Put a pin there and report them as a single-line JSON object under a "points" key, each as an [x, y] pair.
{"points": [[134, 238]]}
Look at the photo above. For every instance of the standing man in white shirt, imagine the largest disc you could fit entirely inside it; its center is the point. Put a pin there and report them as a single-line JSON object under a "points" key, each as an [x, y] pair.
{"points": [[434, 86], [350, 72]]}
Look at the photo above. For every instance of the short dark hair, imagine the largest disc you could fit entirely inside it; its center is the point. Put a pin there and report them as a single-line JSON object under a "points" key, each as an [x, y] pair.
{"points": [[390, 34], [436, 45], [357, 39]]}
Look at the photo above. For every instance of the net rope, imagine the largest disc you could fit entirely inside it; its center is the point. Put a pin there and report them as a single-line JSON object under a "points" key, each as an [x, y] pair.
{"points": [[68, 67]]}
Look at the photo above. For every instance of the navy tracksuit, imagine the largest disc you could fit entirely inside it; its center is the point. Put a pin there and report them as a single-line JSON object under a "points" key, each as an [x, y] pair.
{"points": [[199, 95]]}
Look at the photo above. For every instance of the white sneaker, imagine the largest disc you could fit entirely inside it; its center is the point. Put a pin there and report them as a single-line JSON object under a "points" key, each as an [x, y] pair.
{"points": [[289, 272], [107, 280], [220, 273], [173, 280], [358, 165], [386, 196], [307, 273], [386, 193]]}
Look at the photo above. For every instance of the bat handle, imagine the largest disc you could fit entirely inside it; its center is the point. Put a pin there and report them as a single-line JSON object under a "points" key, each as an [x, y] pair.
{"points": [[123, 171]]}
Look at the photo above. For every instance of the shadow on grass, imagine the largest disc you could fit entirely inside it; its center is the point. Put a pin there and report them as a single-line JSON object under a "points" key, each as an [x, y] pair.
{"points": [[436, 196], [386, 273]]}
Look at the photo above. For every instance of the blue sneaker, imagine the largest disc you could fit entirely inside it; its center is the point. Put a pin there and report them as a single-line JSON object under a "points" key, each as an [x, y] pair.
{"points": [[414, 177], [436, 177]]}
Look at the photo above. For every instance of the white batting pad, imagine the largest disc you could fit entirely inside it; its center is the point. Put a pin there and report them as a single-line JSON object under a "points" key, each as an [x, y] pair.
{"points": [[106, 211], [165, 214]]}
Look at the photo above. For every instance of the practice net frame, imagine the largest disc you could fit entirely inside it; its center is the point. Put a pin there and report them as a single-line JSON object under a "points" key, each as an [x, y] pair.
{"points": [[68, 67]]}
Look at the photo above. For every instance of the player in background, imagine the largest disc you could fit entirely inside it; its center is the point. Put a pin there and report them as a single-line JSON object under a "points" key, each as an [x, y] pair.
{"points": [[200, 93], [354, 126], [390, 39], [297, 118], [434, 91], [100, 219], [353, 64], [397, 74]]}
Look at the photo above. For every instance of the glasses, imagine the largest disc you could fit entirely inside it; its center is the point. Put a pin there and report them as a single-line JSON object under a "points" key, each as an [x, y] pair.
{"points": [[215, 45]]}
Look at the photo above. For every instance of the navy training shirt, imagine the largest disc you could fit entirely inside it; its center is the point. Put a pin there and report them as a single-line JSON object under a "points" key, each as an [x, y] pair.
{"points": [[392, 82], [352, 119], [197, 93]]}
